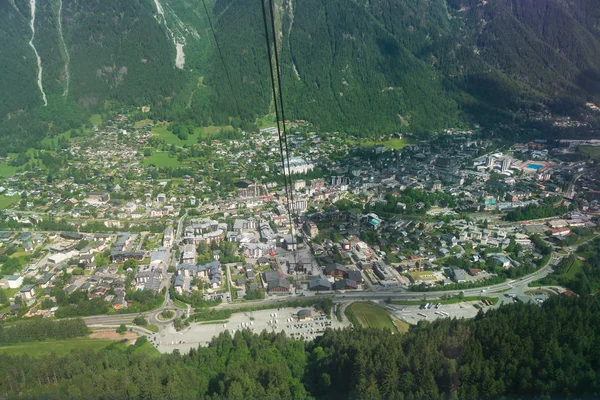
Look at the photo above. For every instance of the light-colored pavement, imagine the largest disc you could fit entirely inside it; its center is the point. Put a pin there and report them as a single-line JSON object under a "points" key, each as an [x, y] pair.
{"points": [[274, 320]]}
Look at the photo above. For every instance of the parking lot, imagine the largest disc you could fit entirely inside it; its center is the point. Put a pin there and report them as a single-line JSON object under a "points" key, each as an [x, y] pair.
{"points": [[414, 314], [273, 320]]}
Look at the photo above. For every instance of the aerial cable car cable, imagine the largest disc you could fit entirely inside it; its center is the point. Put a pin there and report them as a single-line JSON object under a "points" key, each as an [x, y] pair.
{"points": [[286, 172], [237, 104], [278, 71]]}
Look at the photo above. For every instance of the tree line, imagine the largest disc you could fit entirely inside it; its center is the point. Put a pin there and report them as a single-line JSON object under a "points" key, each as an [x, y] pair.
{"points": [[41, 329], [516, 351]]}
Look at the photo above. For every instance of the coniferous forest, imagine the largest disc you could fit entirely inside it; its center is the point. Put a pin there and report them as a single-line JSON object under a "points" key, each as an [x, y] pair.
{"points": [[348, 66], [519, 351]]}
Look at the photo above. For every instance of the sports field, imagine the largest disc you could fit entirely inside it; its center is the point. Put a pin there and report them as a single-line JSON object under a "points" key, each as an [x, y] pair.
{"points": [[395, 144], [162, 160], [370, 315]]}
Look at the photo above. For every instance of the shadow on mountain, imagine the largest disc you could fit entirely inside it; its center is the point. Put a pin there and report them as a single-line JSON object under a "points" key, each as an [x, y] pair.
{"points": [[589, 81]]}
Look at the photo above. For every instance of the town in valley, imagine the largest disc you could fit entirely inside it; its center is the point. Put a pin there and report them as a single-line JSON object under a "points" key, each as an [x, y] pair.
{"points": [[194, 231]]}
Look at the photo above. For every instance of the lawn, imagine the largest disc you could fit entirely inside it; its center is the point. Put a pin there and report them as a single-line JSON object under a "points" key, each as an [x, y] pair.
{"points": [[6, 201], [214, 130], [395, 144], [160, 130], [162, 160], [147, 349], [59, 347], [572, 272], [143, 122], [6, 171], [179, 304], [371, 316], [268, 121], [96, 120], [402, 326], [592, 151]]}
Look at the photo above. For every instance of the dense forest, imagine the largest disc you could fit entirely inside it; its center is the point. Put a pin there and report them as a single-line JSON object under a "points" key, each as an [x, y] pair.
{"points": [[383, 65], [40, 329], [517, 351]]}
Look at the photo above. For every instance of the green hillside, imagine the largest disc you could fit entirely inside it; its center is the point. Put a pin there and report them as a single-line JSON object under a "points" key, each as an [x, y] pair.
{"points": [[362, 67]]}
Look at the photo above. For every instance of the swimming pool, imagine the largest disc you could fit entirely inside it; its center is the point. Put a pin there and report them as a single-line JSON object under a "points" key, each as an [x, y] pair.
{"points": [[534, 166]]}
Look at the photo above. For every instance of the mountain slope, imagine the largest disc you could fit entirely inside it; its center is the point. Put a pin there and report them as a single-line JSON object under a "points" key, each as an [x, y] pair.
{"points": [[356, 66]]}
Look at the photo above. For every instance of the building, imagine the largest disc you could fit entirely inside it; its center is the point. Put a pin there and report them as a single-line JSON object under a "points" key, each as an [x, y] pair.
{"points": [[179, 284], [319, 284], [345, 284], [15, 281], [121, 256], [270, 276], [299, 184], [279, 285], [354, 275], [249, 190], [290, 243], [317, 184], [505, 164], [311, 229], [299, 206], [189, 254], [168, 237], [561, 232], [336, 270], [159, 258], [45, 281], [298, 165], [98, 197], [27, 292], [304, 315], [458, 275]]}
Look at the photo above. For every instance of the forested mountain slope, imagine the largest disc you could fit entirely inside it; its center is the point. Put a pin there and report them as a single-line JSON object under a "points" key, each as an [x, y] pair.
{"points": [[518, 351], [351, 65]]}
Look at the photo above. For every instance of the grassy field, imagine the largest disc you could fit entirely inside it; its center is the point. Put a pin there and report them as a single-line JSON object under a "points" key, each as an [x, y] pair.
{"points": [[6, 171], [96, 120], [214, 130], [268, 121], [179, 304], [371, 316], [402, 326], [147, 349], [161, 131], [6, 201], [59, 347], [395, 144], [592, 151], [139, 124], [162, 160], [573, 270]]}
